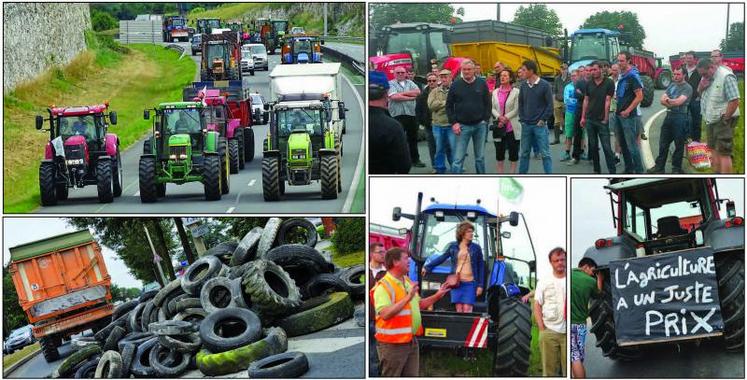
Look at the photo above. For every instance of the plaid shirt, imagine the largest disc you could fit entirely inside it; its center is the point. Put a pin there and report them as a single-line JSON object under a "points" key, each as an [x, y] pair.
{"points": [[731, 90]]}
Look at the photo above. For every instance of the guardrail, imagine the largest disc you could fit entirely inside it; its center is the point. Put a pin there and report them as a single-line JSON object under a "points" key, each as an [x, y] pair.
{"points": [[346, 39], [355, 65]]}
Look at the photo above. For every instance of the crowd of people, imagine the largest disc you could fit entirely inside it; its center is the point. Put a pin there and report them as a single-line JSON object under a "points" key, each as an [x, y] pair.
{"points": [[517, 110]]}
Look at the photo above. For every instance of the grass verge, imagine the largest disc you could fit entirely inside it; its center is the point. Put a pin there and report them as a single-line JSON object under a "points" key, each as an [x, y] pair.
{"points": [[132, 78], [9, 360], [359, 202], [348, 259], [738, 162]]}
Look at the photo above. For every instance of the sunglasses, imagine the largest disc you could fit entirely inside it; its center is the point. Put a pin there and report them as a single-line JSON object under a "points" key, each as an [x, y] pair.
{"points": [[432, 80]]}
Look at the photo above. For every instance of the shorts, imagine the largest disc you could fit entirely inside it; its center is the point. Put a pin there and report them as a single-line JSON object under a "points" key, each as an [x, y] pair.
{"points": [[465, 293], [721, 136], [568, 125], [578, 340]]}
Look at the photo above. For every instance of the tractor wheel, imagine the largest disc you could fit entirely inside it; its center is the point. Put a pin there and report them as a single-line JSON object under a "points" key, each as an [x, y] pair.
{"points": [[730, 273], [249, 144], [147, 147], [47, 183], [270, 179], [648, 90], [603, 325], [211, 174], [117, 176], [514, 339], [344, 127], [233, 156], [329, 177], [147, 179], [242, 151], [61, 191], [225, 176], [161, 189], [104, 181], [664, 80], [251, 73], [49, 346]]}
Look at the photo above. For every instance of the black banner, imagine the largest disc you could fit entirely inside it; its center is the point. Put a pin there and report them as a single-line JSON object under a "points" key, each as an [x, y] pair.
{"points": [[665, 297]]}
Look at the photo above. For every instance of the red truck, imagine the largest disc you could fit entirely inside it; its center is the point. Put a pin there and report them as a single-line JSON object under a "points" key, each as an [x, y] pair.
{"points": [[63, 287]]}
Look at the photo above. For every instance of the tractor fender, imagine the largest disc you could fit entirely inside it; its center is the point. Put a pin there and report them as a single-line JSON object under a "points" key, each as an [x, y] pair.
{"points": [[111, 142], [327, 152], [211, 141], [107, 158], [233, 125], [622, 248], [721, 238], [271, 153], [48, 152]]}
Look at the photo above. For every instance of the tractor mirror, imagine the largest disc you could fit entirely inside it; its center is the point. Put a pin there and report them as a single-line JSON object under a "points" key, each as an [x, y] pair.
{"points": [[158, 126], [113, 118], [513, 218], [342, 110], [397, 214], [39, 122], [146, 114], [731, 210]]}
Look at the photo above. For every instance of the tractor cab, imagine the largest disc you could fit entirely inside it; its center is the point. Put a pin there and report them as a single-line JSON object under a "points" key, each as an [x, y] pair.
{"points": [[302, 49], [83, 124], [588, 45], [178, 130], [422, 43]]}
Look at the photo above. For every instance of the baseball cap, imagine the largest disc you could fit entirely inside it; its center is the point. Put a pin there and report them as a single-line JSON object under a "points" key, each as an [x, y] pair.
{"points": [[377, 78]]}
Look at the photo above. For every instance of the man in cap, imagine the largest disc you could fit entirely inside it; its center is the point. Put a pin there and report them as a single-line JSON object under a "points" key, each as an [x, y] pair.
{"points": [[387, 143]]}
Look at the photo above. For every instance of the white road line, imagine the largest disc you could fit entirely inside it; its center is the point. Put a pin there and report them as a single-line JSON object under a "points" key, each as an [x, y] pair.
{"points": [[230, 210], [361, 156], [646, 155], [251, 183], [323, 345]]}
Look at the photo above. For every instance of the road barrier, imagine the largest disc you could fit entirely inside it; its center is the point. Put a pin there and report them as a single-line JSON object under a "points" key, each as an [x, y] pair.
{"points": [[355, 65]]}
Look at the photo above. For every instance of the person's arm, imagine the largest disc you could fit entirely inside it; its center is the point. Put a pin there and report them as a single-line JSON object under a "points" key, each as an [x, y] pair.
{"points": [[401, 97], [496, 107], [664, 99], [731, 107], [678, 101], [434, 104], [425, 303], [486, 103], [390, 311], [731, 92], [703, 85], [522, 114], [547, 114], [512, 108], [480, 271], [538, 315], [636, 101], [438, 259], [525, 298], [583, 112], [607, 101], [600, 281]]}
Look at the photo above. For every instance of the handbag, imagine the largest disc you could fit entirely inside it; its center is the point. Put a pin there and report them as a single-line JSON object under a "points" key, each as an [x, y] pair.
{"points": [[499, 132]]}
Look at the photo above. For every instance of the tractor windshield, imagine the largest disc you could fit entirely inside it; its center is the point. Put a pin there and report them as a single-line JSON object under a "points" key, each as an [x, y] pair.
{"points": [[588, 46], [303, 46], [280, 26], [177, 22], [78, 126], [215, 51], [439, 234], [421, 46], [214, 24], [215, 115], [308, 120], [182, 121]]}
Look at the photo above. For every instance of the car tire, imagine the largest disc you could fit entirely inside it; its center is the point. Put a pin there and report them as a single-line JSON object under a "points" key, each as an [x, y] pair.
{"points": [[186, 343], [224, 363], [147, 296], [212, 327], [68, 364], [337, 309], [162, 367], [193, 315], [109, 366], [355, 278], [104, 333], [171, 328], [134, 338], [224, 251], [269, 234], [300, 261], [141, 365], [186, 303], [289, 232], [286, 365], [246, 250], [324, 283], [208, 266], [87, 370], [219, 293], [114, 337], [124, 308], [162, 294], [128, 353]]}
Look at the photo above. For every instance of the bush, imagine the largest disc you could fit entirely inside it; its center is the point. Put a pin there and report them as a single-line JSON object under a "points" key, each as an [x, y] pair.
{"points": [[103, 21], [350, 235]]}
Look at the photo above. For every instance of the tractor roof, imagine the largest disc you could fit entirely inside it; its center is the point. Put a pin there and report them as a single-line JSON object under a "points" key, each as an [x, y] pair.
{"points": [[596, 30], [432, 208], [179, 105], [416, 25], [634, 183], [79, 110]]}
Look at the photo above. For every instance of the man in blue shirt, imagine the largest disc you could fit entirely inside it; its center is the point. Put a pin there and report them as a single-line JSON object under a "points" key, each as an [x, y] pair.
{"points": [[535, 108], [629, 95], [569, 99]]}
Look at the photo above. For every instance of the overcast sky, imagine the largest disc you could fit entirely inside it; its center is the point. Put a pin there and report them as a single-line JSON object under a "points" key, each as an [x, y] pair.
{"points": [[543, 204], [670, 28], [591, 215]]}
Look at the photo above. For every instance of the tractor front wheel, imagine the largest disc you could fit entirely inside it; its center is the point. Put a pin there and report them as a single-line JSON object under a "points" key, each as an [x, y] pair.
{"points": [[242, 150], [47, 183], [104, 181], [270, 179], [211, 177], [233, 156], [514, 339], [147, 179], [225, 176], [329, 177], [648, 90], [249, 144], [117, 176], [730, 273], [61, 191]]}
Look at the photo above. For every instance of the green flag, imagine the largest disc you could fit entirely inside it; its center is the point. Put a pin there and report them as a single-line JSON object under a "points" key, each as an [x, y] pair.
{"points": [[511, 189]]}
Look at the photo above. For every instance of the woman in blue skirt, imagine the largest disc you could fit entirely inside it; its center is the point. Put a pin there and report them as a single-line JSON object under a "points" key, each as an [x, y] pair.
{"points": [[467, 263]]}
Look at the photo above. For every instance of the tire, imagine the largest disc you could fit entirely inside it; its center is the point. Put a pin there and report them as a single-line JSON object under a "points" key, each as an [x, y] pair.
{"points": [[117, 177], [199, 273], [171, 328], [730, 273], [300, 261], [147, 147], [135, 339], [354, 278], [65, 368], [124, 308], [194, 315], [269, 234], [663, 80], [281, 366], [141, 366], [337, 309], [270, 179], [187, 343], [211, 178], [514, 339], [328, 175], [238, 359], [271, 290], [242, 149], [49, 348], [297, 231], [225, 175], [170, 308], [128, 354], [47, 183], [87, 370], [324, 283], [161, 190], [648, 90], [102, 334], [61, 191], [110, 366], [186, 303], [220, 293], [224, 251], [162, 367], [603, 325], [147, 180], [212, 327], [233, 156], [114, 337], [147, 295], [145, 318], [246, 250], [104, 181], [249, 144], [251, 73], [171, 287]]}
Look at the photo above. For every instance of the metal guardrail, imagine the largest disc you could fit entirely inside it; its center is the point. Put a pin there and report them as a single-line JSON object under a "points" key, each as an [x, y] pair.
{"points": [[359, 40], [357, 66]]}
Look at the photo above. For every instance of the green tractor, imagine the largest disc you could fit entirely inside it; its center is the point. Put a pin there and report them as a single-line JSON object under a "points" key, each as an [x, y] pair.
{"points": [[300, 147], [182, 149]]}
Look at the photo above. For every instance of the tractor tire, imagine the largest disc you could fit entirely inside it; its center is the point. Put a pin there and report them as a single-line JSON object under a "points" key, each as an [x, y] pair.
{"points": [[224, 322], [288, 365], [337, 309], [242, 151], [104, 181], [648, 90], [114, 337], [297, 231], [87, 370], [301, 262], [65, 368], [354, 278], [271, 290], [269, 234], [514, 339], [147, 147], [199, 273], [110, 366], [211, 178], [246, 250], [730, 274], [238, 359], [147, 179], [270, 179], [49, 346], [249, 144], [161, 190], [124, 308], [225, 175], [48, 183], [663, 80], [117, 178], [165, 367], [322, 284], [233, 156], [329, 177], [603, 325], [61, 191]]}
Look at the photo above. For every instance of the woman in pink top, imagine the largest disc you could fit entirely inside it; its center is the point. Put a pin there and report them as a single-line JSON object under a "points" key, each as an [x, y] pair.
{"points": [[506, 113]]}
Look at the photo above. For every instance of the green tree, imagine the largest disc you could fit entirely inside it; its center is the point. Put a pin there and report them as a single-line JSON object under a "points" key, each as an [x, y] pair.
{"points": [[383, 14], [735, 40], [103, 21], [539, 16], [13, 315], [350, 235], [633, 33], [236, 228]]}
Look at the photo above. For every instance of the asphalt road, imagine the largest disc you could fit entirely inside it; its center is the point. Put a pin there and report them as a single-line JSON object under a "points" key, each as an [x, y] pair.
{"points": [[652, 119], [707, 360], [245, 195], [352, 50]]}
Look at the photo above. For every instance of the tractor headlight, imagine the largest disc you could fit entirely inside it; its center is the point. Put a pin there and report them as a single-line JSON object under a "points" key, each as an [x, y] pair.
{"points": [[182, 156], [298, 154], [172, 157]]}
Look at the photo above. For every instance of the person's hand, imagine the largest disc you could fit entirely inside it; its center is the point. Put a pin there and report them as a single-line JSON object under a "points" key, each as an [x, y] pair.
{"points": [[413, 291], [583, 122], [423, 272], [479, 291], [503, 119], [456, 128], [625, 113], [445, 288], [525, 298], [541, 123]]}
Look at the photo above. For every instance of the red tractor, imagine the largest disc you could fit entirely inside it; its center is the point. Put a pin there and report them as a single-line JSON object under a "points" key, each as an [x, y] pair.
{"points": [[80, 152]]}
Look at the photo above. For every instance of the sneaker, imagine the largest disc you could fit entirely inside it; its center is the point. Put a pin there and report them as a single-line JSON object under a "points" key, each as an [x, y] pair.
{"points": [[573, 162], [643, 136], [419, 164], [566, 157], [617, 160], [655, 170]]}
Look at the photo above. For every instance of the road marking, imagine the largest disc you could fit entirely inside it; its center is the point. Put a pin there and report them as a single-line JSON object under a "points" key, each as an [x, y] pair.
{"points": [[230, 210], [361, 156], [646, 154], [323, 345], [251, 183]]}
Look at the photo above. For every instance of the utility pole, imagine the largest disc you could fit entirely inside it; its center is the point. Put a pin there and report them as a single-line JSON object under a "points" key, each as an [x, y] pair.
{"points": [[325, 19], [156, 258], [498, 11], [726, 37]]}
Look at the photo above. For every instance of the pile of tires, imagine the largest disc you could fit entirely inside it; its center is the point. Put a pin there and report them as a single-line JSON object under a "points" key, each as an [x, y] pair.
{"points": [[232, 310]]}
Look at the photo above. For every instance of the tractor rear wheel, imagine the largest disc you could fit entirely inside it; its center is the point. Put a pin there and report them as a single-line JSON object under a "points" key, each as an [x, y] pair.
{"points": [[270, 179], [242, 150], [104, 181], [49, 346], [249, 144], [161, 189], [730, 273], [47, 183], [147, 179], [211, 177], [117, 175], [663, 80], [329, 176], [233, 156], [225, 176], [648, 90], [603, 325], [61, 191], [514, 339]]}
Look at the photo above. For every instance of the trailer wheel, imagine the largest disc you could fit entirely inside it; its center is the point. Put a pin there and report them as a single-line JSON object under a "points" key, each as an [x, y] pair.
{"points": [[49, 347], [730, 273], [648, 90], [514, 339], [47, 183], [603, 325], [270, 179]]}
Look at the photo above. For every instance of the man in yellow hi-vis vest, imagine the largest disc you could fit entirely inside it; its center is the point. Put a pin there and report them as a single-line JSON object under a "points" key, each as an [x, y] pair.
{"points": [[398, 321]]}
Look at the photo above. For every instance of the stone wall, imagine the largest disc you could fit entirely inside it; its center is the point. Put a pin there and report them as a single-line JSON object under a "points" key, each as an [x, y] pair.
{"points": [[38, 35]]}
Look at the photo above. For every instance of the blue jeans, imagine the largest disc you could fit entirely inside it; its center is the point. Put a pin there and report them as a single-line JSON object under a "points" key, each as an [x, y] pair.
{"points": [[529, 134], [695, 120], [674, 129], [477, 133], [445, 144], [627, 132], [599, 132]]}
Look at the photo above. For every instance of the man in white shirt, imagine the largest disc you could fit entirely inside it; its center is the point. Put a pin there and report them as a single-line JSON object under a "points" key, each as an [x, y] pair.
{"points": [[549, 312]]}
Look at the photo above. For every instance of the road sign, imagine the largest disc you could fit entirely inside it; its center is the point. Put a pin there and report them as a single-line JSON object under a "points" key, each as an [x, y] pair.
{"points": [[190, 221], [200, 230]]}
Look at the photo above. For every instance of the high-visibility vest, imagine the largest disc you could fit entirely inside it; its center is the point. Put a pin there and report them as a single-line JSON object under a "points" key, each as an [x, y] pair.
{"points": [[397, 329]]}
